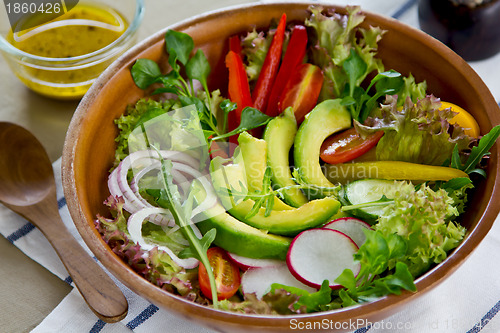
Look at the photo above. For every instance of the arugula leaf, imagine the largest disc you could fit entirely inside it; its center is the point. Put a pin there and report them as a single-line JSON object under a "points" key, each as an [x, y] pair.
{"points": [[482, 149], [346, 298], [455, 158], [347, 280], [205, 242], [250, 118], [456, 184], [145, 72], [477, 153], [386, 83]]}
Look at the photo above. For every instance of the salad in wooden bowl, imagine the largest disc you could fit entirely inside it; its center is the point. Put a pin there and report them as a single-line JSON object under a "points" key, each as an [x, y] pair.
{"points": [[264, 164]]}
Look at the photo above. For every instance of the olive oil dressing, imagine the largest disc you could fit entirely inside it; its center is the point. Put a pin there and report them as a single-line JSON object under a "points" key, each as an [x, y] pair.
{"points": [[69, 42]]}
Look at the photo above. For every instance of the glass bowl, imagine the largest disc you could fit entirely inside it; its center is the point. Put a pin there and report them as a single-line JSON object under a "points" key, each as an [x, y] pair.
{"points": [[71, 77]]}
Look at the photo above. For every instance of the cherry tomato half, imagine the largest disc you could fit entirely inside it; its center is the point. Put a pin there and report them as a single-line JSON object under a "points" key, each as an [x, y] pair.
{"points": [[347, 145], [227, 274]]}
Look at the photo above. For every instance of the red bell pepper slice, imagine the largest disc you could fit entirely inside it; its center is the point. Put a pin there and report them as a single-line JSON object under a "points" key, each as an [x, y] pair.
{"points": [[294, 55], [238, 88], [235, 44], [302, 90], [267, 75]]}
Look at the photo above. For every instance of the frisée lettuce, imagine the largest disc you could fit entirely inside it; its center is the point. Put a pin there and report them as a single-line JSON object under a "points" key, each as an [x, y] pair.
{"points": [[417, 133]]}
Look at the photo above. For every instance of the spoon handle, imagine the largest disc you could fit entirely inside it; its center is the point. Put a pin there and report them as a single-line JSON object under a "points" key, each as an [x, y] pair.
{"points": [[101, 294]]}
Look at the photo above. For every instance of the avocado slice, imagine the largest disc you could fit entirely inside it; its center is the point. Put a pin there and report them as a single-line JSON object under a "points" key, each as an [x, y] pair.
{"points": [[279, 135], [254, 154], [229, 177], [288, 222], [281, 222], [240, 238], [327, 118]]}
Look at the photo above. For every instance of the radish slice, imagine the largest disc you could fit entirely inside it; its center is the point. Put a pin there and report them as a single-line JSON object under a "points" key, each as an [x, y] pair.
{"points": [[316, 255], [245, 263], [351, 227], [259, 280]]}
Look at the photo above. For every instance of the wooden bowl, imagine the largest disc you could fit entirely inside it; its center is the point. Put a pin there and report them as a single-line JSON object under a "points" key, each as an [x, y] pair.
{"points": [[90, 145]]}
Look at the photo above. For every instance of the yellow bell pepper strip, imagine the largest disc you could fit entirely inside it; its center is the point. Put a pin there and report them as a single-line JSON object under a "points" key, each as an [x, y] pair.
{"points": [[463, 118], [393, 170]]}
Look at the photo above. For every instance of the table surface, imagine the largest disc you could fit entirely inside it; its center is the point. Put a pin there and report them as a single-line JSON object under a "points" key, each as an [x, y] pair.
{"points": [[25, 302]]}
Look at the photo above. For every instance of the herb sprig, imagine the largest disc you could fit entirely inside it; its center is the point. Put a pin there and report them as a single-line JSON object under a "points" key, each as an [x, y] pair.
{"points": [[360, 101], [170, 198], [265, 197], [378, 254], [179, 47]]}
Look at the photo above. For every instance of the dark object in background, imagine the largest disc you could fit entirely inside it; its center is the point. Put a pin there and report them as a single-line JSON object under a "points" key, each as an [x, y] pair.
{"points": [[470, 27]]}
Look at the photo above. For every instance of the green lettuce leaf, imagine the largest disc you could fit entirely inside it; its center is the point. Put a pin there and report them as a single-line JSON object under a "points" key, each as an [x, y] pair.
{"points": [[416, 91], [278, 303], [334, 38], [382, 270], [307, 302], [423, 218], [178, 129], [141, 111], [156, 266], [418, 133], [254, 47], [214, 103]]}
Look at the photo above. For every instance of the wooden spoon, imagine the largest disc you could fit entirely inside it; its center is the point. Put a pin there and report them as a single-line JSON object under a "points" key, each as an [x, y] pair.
{"points": [[27, 186]]}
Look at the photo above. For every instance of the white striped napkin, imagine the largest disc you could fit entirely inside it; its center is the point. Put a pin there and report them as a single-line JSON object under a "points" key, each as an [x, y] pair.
{"points": [[468, 301]]}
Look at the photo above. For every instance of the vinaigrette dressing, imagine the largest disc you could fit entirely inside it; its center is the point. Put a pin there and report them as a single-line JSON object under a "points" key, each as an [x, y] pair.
{"points": [[78, 33], [84, 29]]}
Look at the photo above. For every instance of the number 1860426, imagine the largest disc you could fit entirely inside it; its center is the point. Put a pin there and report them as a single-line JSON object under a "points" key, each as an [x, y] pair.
{"points": [[34, 8]]}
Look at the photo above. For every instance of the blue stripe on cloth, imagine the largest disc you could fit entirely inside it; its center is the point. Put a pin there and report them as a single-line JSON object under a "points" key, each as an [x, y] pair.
{"points": [[61, 202], [486, 319], [23, 231], [98, 326], [68, 280], [142, 317], [364, 329], [404, 8]]}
